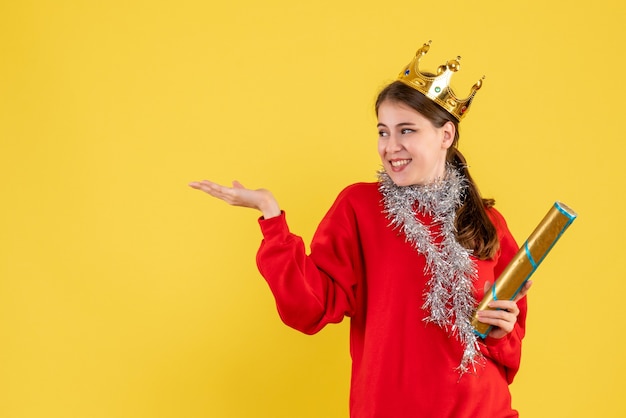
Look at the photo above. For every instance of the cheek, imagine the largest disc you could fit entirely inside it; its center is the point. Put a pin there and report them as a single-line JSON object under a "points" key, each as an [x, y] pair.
{"points": [[381, 149]]}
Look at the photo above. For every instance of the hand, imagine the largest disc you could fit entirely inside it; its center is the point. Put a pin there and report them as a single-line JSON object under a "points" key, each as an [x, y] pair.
{"points": [[503, 313], [238, 195]]}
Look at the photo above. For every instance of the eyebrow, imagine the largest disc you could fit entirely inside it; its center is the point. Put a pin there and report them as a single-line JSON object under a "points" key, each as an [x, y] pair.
{"points": [[398, 125]]}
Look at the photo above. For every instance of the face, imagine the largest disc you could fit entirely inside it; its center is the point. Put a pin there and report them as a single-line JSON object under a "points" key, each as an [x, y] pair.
{"points": [[411, 148]]}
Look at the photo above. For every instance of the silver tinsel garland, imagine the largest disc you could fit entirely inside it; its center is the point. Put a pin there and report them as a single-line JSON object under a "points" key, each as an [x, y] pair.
{"points": [[448, 297]]}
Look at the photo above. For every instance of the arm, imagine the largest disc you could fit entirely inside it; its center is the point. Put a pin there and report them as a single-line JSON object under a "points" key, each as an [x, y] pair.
{"points": [[312, 290]]}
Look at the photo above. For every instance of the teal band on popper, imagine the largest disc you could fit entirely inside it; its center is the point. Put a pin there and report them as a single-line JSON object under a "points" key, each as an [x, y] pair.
{"points": [[568, 215], [530, 256]]}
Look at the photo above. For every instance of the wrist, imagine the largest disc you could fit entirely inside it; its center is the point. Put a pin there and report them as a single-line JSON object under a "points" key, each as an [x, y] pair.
{"points": [[269, 207]]}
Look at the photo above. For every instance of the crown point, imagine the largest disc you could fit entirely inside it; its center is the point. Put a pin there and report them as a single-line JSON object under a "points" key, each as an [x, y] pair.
{"points": [[478, 84], [454, 65]]}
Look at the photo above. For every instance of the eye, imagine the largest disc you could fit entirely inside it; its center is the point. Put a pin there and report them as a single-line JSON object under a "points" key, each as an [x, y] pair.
{"points": [[407, 131], [383, 134]]}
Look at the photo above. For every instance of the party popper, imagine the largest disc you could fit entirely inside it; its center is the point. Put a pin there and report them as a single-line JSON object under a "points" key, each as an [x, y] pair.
{"points": [[526, 261]]}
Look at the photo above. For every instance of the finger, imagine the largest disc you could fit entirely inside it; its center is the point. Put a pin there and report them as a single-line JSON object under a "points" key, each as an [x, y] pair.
{"points": [[227, 194], [236, 196], [500, 324], [201, 184], [238, 185], [214, 189], [524, 290], [505, 305], [500, 318], [487, 286]]}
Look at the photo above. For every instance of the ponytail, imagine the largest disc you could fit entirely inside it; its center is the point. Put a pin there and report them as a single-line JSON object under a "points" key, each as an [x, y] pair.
{"points": [[475, 230]]}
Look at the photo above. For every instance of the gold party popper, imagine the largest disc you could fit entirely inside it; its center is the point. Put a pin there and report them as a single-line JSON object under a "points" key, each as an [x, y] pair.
{"points": [[526, 261]]}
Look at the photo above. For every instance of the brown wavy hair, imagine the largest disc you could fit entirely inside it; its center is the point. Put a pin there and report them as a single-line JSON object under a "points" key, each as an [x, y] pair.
{"points": [[474, 229]]}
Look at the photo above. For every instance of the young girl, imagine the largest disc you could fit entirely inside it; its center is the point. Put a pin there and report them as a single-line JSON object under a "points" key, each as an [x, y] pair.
{"points": [[407, 259]]}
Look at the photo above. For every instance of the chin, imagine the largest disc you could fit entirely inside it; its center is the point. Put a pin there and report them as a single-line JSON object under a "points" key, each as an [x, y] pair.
{"points": [[408, 182], [400, 182]]}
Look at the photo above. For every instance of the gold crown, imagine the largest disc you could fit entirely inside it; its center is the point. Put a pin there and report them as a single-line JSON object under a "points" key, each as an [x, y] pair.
{"points": [[437, 87]]}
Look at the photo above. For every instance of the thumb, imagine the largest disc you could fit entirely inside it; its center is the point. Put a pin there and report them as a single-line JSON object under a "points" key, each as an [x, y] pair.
{"points": [[237, 185], [487, 286]]}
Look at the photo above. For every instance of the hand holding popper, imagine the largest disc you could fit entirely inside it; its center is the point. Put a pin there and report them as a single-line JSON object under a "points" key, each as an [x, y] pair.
{"points": [[527, 259]]}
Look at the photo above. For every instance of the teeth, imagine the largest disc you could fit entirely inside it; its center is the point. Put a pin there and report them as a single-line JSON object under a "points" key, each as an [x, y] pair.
{"points": [[399, 163]]}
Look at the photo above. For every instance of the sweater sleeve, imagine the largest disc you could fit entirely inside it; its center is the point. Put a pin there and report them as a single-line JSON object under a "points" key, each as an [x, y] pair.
{"points": [[507, 351], [311, 290]]}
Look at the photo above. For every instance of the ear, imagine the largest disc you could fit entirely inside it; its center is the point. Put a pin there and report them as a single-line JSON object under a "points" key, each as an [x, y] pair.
{"points": [[448, 131]]}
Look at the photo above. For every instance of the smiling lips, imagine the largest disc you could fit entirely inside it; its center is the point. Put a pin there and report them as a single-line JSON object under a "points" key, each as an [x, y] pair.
{"points": [[399, 164]]}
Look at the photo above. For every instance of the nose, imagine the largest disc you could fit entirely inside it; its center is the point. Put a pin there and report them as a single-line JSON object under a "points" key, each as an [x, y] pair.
{"points": [[393, 144]]}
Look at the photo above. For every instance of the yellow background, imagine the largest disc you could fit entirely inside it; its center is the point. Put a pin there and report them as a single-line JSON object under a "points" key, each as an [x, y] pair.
{"points": [[124, 293]]}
